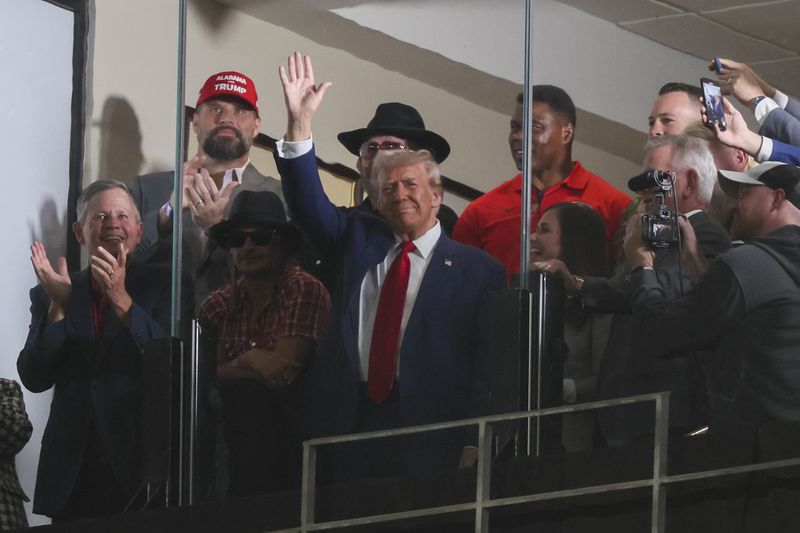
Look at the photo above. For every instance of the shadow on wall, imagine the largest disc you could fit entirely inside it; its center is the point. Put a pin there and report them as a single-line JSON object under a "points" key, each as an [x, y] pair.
{"points": [[120, 155], [53, 230], [212, 15]]}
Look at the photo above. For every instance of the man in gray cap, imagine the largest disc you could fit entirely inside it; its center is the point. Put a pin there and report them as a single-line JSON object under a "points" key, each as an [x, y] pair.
{"points": [[746, 305]]}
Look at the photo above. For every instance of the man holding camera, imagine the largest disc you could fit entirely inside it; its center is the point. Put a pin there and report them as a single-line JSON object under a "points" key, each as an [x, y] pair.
{"points": [[688, 175], [746, 304]]}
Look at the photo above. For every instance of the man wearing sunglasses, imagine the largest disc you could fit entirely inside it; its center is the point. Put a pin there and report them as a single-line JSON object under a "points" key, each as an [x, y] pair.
{"points": [[268, 322], [409, 332], [395, 126]]}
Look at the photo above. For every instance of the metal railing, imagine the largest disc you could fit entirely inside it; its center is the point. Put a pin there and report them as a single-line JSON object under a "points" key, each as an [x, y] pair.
{"points": [[483, 502]]}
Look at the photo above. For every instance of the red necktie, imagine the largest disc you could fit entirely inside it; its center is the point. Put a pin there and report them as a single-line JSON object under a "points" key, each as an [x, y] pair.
{"points": [[386, 330]]}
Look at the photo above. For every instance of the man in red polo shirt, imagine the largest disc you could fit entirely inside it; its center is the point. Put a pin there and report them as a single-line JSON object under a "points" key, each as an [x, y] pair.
{"points": [[492, 222]]}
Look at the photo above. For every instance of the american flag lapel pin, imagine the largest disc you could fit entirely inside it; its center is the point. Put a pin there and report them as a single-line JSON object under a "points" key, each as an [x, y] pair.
{"points": [[448, 263]]}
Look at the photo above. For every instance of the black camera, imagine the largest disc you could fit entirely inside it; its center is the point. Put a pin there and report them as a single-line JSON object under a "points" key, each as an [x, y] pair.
{"points": [[659, 230]]}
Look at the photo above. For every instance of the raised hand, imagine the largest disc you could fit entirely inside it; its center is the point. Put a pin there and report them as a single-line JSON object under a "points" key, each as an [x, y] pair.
{"points": [[109, 272], [206, 202], [741, 81], [737, 134], [57, 285], [301, 94]]}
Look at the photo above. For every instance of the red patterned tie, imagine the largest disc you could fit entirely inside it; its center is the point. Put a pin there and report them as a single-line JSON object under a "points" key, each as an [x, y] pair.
{"points": [[386, 330]]}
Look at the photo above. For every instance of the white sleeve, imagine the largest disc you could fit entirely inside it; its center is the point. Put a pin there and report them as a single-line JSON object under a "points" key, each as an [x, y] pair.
{"points": [[291, 150]]}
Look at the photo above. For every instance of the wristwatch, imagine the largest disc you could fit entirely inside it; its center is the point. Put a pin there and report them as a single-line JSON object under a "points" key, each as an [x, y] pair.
{"points": [[755, 101], [579, 281]]}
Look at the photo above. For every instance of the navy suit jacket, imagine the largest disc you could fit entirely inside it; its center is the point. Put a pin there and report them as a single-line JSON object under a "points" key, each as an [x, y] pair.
{"points": [[783, 124], [96, 380], [443, 374]]}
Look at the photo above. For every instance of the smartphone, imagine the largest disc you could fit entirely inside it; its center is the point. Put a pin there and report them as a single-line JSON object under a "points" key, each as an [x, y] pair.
{"points": [[712, 97], [717, 64]]}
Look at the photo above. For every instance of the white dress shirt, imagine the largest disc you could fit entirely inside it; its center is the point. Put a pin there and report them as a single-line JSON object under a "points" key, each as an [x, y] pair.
{"points": [[373, 282]]}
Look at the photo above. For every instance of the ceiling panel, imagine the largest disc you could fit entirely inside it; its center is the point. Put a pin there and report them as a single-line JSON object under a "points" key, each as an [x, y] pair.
{"points": [[776, 23], [702, 38], [619, 10], [697, 6], [785, 75]]}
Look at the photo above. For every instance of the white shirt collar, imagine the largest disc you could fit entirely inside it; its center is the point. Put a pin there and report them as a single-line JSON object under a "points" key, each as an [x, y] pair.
{"points": [[427, 241]]}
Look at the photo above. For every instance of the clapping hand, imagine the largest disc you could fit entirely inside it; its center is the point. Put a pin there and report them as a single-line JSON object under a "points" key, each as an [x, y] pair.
{"points": [[57, 285], [108, 272]]}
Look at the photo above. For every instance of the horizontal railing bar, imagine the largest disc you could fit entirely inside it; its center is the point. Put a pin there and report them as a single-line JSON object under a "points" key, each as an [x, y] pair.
{"points": [[730, 471], [569, 493], [490, 419]]}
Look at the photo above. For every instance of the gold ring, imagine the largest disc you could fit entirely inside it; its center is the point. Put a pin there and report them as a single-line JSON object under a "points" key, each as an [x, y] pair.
{"points": [[201, 202]]}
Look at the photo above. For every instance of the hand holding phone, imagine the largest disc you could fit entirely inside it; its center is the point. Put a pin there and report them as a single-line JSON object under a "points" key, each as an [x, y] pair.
{"points": [[712, 97]]}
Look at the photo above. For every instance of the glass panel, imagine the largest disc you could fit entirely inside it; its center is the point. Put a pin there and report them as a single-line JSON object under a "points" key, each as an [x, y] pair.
{"points": [[263, 375]]}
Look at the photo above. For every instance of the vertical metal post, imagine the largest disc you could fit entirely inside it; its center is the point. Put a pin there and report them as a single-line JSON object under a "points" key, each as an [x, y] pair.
{"points": [[525, 222], [484, 481], [658, 516], [177, 181], [530, 424], [308, 486], [541, 315]]}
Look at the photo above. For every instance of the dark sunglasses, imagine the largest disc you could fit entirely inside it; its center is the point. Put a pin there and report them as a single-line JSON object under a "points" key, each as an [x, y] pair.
{"points": [[259, 237], [372, 148]]}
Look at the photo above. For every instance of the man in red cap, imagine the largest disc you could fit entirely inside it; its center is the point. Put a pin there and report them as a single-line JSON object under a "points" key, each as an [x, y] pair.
{"points": [[226, 120]]}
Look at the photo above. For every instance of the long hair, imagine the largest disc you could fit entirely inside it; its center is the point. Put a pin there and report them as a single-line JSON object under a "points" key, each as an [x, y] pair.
{"points": [[584, 247]]}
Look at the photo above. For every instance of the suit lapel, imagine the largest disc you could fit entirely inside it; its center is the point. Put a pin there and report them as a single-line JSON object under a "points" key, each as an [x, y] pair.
{"points": [[434, 290]]}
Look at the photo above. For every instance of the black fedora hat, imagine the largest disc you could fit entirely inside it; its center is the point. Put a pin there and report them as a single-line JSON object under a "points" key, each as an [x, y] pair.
{"points": [[398, 120], [257, 209]]}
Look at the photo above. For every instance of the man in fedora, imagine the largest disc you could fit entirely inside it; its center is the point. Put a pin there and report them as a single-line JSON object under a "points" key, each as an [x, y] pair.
{"points": [[395, 126], [408, 337], [492, 222], [268, 321], [226, 121], [746, 305]]}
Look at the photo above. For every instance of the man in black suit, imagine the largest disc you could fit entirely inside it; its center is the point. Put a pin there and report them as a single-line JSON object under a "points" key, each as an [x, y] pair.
{"points": [[626, 368], [85, 341]]}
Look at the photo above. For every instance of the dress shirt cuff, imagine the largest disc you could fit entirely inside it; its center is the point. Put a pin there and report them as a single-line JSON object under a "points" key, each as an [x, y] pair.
{"points": [[765, 152], [764, 108], [292, 150], [781, 99]]}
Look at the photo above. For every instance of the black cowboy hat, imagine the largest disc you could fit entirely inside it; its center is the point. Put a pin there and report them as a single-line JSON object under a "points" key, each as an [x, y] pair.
{"points": [[398, 120], [257, 209]]}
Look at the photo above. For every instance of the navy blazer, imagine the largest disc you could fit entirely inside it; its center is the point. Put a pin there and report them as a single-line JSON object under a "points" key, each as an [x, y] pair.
{"points": [[783, 124], [443, 374], [96, 380]]}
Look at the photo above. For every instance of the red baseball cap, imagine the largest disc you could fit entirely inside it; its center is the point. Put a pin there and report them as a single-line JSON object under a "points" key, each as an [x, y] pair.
{"points": [[230, 83]]}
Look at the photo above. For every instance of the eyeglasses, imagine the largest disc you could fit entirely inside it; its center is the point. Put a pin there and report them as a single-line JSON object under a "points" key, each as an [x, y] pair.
{"points": [[259, 237], [372, 148]]}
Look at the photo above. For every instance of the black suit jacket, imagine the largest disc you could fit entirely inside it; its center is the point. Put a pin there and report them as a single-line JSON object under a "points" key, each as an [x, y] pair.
{"points": [[96, 380], [627, 367]]}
